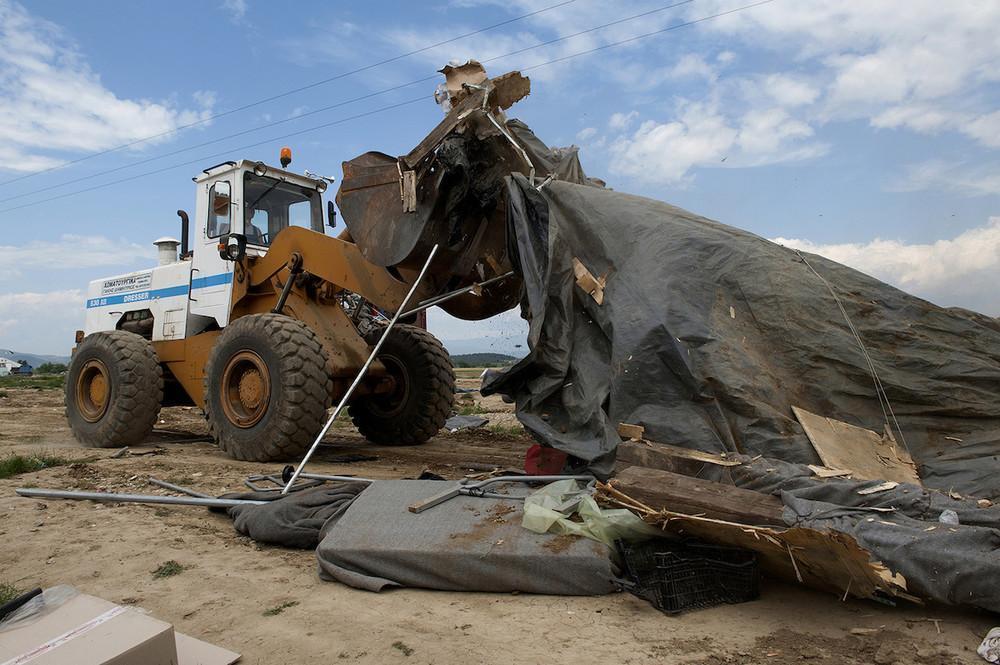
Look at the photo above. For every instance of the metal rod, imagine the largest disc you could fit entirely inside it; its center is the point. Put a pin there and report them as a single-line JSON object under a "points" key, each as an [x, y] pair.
{"points": [[134, 498], [361, 374], [437, 300], [294, 271], [474, 488], [287, 472], [177, 488]]}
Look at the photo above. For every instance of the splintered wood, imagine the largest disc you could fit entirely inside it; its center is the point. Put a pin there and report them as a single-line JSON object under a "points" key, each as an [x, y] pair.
{"points": [[593, 286], [861, 451], [826, 560]]}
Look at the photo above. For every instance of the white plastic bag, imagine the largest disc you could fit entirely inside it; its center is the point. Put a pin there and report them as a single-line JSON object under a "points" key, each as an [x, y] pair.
{"points": [[549, 510], [990, 648]]}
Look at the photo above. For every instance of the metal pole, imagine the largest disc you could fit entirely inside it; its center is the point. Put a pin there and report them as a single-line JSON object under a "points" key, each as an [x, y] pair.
{"points": [[361, 374], [134, 498], [287, 472], [437, 300], [177, 488], [469, 488]]}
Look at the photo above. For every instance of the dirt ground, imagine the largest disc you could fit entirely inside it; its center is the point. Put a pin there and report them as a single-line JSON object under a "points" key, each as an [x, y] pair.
{"points": [[229, 583]]}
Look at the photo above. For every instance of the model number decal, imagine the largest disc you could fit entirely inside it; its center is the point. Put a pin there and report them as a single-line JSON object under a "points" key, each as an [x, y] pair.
{"points": [[134, 282]]}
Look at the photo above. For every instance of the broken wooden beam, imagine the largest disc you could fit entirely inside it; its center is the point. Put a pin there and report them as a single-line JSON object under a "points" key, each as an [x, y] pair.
{"points": [[665, 490]]}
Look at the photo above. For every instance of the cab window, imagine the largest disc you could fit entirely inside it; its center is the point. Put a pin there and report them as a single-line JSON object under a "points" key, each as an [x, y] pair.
{"points": [[219, 209], [273, 205]]}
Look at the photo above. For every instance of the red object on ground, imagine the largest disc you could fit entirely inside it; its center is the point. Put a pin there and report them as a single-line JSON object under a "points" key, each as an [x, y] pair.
{"points": [[544, 461]]}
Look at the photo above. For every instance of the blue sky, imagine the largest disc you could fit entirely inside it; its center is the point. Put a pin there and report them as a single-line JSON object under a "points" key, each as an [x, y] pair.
{"points": [[866, 131]]}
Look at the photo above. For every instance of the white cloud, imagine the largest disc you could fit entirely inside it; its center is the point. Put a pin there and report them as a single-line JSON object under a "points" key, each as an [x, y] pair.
{"points": [[41, 322], [789, 91], [692, 65], [664, 153], [586, 133], [985, 128], [621, 121], [70, 252], [965, 179], [962, 271], [51, 102], [236, 8], [925, 66]]}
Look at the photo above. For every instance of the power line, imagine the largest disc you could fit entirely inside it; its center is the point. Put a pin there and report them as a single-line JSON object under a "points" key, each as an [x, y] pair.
{"points": [[204, 158], [292, 91], [339, 104], [392, 106]]}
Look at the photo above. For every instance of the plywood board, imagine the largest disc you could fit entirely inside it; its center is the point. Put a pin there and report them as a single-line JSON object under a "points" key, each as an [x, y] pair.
{"points": [[863, 452], [826, 560]]}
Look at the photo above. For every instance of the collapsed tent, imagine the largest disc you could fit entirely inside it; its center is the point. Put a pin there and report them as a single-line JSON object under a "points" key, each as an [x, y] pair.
{"points": [[708, 335]]}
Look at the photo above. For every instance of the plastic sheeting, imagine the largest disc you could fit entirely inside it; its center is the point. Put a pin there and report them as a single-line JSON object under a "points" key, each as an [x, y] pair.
{"points": [[900, 527], [707, 335]]}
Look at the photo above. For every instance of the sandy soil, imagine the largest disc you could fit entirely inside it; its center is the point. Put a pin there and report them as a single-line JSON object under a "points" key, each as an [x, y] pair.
{"points": [[229, 582]]}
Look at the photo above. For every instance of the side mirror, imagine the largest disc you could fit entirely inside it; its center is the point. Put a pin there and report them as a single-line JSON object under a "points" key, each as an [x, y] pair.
{"points": [[331, 214], [233, 247]]}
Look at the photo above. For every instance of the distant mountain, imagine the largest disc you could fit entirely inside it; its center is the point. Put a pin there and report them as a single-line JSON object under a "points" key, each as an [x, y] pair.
{"points": [[482, 359], [510, 346], [33, 359]]}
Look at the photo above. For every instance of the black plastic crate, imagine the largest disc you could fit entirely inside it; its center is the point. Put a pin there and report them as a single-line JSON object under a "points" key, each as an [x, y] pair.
{"points": [[687, 575]]}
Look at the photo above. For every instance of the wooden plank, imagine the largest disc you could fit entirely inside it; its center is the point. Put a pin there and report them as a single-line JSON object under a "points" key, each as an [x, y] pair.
{"points": [[593, 286], [664, 490], [661, 455], [634, 432], [861, 451]]}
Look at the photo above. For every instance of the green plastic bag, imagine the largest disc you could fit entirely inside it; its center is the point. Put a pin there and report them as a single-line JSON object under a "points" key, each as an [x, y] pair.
{"points": [[550, 508]]}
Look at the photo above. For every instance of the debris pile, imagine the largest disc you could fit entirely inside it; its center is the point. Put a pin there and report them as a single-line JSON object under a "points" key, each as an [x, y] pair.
{"points": [[801, 417]]}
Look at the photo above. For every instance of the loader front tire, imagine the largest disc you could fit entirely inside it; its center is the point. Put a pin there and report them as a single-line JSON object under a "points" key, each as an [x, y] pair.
{"points": [[423, 393], [114, 388], [266, 388]]}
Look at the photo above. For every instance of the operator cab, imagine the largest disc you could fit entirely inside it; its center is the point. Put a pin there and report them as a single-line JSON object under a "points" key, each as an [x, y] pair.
{"points": [[240, 208], [256, 201]]}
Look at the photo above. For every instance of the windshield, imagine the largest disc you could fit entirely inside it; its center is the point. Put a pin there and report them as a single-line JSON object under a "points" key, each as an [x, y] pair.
{"points": [[272, 205]]}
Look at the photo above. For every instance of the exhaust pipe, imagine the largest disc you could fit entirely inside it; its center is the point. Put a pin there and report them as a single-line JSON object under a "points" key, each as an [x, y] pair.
{"points": [[185, 249]]}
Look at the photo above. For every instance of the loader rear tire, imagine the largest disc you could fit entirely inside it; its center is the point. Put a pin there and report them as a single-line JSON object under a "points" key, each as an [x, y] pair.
{"points": [[423, 396], [266, 388], [114, 388]]}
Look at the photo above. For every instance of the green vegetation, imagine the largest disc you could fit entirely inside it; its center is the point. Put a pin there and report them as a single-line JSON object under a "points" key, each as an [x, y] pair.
{"points": [[15, 465], [274, 611], [168, 569], [473, 409], [35, 382], [3, 393], [8, 592], [482, 360], [407, 650], [51, 368], [507, 430]]}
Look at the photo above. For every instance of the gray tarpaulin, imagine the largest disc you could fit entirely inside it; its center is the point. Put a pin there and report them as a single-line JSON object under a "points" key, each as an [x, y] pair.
{"points": [[708, 335], [465, 544], [955, 564], [293, 520]]}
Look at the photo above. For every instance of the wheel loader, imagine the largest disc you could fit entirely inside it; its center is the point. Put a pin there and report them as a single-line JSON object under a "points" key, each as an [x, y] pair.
{"points": [[263, 320]]}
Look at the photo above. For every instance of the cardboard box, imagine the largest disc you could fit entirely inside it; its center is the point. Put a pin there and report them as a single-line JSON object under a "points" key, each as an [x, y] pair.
{"points": [[86, 630], [191, 651]]}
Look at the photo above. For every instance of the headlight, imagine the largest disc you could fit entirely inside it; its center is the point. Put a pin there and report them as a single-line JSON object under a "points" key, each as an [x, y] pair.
{"points": [[321, 186], [259, 169]]}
